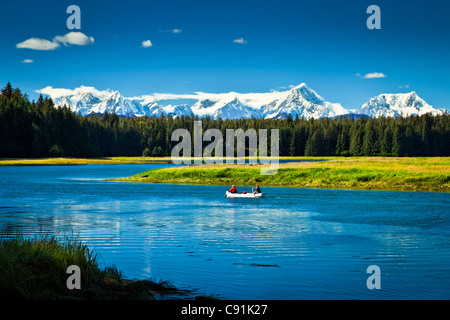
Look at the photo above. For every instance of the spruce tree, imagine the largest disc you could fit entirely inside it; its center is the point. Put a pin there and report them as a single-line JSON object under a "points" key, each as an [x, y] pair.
{"points": [[7, 90]]}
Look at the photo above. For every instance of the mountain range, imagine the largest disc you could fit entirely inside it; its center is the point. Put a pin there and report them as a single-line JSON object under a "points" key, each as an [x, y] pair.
{"points": [[299, 101]]}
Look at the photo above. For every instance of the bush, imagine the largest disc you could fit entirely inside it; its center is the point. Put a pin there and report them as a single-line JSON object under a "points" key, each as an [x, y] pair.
{"points": [[157, 152], [146, 152], [56, 151]]}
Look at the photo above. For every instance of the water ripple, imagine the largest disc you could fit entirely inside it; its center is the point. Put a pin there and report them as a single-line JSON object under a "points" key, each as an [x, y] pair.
{"points": [[299, 244]]}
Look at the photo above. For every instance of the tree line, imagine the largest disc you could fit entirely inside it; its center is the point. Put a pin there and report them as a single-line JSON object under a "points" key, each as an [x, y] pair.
{"points": [[34, 129]]}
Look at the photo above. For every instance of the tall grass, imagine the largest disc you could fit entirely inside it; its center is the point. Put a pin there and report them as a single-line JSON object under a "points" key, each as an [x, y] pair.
{"points": [[35, 268]]}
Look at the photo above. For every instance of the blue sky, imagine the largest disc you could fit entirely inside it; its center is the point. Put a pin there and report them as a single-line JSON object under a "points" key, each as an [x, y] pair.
{"points": [[325, 44]]}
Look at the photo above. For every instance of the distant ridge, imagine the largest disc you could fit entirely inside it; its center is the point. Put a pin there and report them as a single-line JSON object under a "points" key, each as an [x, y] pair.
{"points": [[299, 101]]}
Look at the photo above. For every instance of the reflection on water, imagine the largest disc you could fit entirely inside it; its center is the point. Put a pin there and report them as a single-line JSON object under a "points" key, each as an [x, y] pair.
{"points": [[292, 244]]}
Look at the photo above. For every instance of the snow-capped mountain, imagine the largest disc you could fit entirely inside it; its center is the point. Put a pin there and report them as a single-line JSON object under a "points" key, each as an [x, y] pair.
{"points": [[234, 109], [226, 108], [202, 104], [304, 102], [400, 104], [81, 103], [88, 100], [178, 111], [299, 101], [119, 105], [153, 109]]}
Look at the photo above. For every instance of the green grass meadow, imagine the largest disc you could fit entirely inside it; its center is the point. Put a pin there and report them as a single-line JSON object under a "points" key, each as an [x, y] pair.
{"points": [[399, 174]]}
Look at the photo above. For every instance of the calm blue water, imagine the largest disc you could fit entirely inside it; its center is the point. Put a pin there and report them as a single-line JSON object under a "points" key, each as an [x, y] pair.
{"points": [[292, 244]]}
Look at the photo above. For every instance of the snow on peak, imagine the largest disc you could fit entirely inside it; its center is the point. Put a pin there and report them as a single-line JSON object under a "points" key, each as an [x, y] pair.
{"points": [[399, 104], [304, 102], [300, 101]]}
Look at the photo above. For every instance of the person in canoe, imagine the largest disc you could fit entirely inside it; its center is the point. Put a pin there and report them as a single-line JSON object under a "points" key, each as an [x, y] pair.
{"points": [[256, 190], [233, 189]]}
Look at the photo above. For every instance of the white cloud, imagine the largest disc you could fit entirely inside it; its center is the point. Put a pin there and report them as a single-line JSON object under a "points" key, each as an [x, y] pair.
{"points": [[146, 44], [61, 92], [55, 92], [27, 61], [240, 41], [71, 38], [406, 86], [37, 44], [172, 30], [76, 38], [372, 75], [282, 88]]}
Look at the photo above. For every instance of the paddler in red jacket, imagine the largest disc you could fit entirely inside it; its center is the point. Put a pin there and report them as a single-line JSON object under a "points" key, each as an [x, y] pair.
{"points": [[233, 189]]}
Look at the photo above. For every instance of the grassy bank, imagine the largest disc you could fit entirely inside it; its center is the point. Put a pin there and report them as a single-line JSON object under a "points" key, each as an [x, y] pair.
{"points": [[35, 268], [106, 160], [380, 173], [81, 161]]}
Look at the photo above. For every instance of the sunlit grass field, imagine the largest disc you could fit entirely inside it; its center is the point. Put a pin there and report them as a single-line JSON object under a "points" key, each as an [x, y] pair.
{"points": [[377, 173]]}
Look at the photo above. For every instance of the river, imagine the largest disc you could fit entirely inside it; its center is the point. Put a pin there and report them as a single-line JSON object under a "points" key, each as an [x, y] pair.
{"points": [[291, 244]]}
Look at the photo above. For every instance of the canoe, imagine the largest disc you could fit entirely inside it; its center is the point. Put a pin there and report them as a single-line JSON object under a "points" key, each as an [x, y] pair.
{"points": [[243, 195]]}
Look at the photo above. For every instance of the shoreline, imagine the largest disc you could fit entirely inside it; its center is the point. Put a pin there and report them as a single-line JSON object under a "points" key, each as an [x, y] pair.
{"points": [[382, 174], [35, 268], [227, 186], [129, 160], [425, 174], [82, 161]]}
